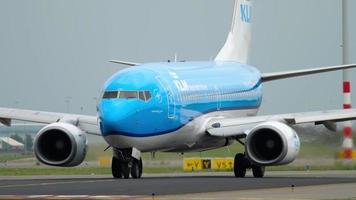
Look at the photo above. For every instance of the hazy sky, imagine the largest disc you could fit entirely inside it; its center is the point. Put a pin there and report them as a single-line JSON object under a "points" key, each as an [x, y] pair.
{"points": [[50, 50]]}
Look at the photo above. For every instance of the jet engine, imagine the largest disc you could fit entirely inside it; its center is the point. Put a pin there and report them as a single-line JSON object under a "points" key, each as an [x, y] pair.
{"points": [[60, 144], [272, 143]]}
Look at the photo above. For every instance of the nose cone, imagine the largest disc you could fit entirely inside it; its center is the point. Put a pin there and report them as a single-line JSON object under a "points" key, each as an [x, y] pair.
{"points": [[112, 113]]}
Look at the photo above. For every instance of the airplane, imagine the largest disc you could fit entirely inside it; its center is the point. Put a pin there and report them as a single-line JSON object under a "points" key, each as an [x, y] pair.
{"points": [[182, 107]]}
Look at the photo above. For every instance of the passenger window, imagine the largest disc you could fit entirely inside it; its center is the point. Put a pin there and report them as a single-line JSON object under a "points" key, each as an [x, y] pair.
{"points": [[110, 95], [128, 95]]}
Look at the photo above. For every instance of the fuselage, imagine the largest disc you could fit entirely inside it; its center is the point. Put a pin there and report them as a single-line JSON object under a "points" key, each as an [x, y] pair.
{"points": [[165, 106]]}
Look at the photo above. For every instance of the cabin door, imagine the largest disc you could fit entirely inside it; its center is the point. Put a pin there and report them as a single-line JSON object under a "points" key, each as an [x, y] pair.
{"points": [[171, 101]]}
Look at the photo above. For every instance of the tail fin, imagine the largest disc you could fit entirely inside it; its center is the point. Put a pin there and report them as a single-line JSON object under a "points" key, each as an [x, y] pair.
{"points": [[237, 44]]}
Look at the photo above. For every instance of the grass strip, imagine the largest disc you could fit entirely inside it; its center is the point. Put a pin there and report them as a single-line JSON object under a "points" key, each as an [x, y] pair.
{"points": [[75, 171]]}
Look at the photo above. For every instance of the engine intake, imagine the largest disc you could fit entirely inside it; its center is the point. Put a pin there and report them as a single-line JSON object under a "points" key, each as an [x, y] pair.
{"points": [[272, 143], [60, 144]]}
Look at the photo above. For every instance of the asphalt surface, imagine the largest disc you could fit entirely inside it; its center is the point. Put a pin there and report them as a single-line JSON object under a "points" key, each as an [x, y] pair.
{"points": [[161, 184]]}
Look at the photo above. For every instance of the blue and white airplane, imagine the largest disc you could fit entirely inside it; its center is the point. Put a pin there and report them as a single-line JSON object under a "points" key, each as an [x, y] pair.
{"points": [[181, 107]]}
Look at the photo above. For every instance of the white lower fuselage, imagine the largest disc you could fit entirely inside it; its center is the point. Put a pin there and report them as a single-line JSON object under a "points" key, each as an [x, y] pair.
{"points": [[191, 137]]}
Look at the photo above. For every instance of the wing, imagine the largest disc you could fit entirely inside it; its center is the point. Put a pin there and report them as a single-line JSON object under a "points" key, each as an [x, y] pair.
{"points": [[87, 123], [238, 127], [289, 74]]}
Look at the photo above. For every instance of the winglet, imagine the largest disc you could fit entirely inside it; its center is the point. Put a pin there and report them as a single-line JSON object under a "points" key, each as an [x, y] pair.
{"points": [[124, 62]]}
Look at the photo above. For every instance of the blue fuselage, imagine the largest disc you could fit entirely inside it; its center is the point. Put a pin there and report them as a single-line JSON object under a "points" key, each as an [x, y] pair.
{"points": [[159, 98]]}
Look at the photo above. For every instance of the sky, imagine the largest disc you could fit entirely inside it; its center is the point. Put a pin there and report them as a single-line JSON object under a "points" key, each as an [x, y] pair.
{"points": [[53, 54]]}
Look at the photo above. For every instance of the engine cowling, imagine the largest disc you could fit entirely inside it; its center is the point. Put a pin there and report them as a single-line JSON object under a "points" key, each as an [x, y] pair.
{"points": [[272, 143], [60, 144]]}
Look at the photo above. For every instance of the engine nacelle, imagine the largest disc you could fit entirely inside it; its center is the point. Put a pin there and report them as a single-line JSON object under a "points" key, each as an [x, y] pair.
{"points": [[60, 144], [272, 143]]}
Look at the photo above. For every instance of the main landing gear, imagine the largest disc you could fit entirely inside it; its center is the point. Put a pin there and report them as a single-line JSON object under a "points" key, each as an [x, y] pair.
{"points": [[126, 162], [241, 164]]}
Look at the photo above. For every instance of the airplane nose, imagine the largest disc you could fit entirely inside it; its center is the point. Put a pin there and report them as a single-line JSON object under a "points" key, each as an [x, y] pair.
{"points": [[113, 113]]}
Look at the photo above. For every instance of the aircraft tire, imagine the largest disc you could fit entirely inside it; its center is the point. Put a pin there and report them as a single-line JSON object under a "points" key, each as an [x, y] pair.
{"points": [[125, 170], [141, 168], [136, 168], [258, 171], [239, 165], [116, 168]]}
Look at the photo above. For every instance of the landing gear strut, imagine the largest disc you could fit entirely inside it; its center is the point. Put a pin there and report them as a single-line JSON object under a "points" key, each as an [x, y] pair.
{"points": [[124, 163], [241, 164]]}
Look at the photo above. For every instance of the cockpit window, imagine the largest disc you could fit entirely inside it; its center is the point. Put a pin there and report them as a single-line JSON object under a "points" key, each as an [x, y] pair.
{"points": [[147, 95], [142, 95], [110, 95], [128, 95]]}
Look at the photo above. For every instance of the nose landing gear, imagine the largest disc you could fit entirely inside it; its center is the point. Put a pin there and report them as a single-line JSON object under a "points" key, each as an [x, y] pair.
{"points": [[126, 162]]}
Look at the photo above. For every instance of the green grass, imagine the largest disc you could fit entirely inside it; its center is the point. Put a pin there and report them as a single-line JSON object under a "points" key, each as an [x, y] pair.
{"points": [[76, 171], [318, 151], [5, 157], [54, 171], [97, 151]]}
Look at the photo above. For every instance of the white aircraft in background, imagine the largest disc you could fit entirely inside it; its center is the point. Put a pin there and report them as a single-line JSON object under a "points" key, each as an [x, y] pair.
{"points": [[180, 107]]}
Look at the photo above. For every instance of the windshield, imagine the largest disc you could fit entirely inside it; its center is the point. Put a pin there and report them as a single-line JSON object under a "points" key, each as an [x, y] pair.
{"points": [[132, 94]]}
